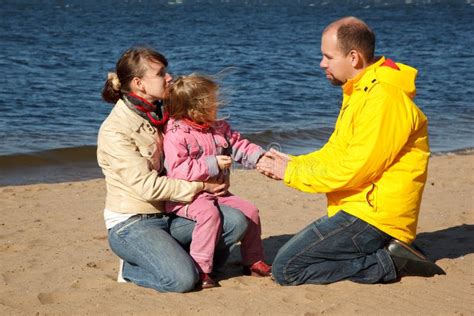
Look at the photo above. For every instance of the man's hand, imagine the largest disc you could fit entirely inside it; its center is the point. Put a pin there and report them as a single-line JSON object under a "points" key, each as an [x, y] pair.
{"points": [[224, 162], [273, 164]]}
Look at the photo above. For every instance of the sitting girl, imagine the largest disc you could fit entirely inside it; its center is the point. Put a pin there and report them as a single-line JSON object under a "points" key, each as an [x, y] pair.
{"points": [[198, 147]]}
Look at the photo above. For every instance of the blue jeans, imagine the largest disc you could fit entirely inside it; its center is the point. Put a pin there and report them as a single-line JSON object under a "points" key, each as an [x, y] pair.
{"points": [[331, 249], [152, 248]]}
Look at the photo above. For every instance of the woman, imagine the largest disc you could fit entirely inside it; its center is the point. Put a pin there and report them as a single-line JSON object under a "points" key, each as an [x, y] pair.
{"points": [[130, 153]]}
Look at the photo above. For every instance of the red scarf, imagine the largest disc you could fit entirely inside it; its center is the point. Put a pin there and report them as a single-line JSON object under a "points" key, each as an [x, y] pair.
{"points": [[150, 111]]}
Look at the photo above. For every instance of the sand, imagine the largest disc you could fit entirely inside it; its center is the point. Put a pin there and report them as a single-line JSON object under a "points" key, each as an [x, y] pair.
{"points": [[55, 257]]}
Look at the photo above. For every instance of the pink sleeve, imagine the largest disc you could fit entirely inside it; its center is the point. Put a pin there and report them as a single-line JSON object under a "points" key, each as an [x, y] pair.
{"points": [[183, 160], [243, 151]]}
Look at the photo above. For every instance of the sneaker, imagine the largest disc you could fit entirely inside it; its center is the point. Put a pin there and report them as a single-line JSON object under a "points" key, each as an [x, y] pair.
{"points": [[206, 282], [258, 269]]}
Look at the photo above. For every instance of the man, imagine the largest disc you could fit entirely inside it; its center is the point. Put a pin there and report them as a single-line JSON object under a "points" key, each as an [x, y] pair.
{"points": [[373, 170]]}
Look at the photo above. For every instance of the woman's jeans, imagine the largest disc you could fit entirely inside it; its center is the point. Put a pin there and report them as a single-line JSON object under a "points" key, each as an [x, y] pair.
{"points": [[331, 249], [153, 248]]}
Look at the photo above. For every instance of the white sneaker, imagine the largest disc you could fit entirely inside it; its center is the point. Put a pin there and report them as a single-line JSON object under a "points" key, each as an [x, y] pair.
{"points": [[120, 278]]}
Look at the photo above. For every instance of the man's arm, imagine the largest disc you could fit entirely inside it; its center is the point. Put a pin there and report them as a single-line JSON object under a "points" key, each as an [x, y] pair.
{"points": [[380, 130]]}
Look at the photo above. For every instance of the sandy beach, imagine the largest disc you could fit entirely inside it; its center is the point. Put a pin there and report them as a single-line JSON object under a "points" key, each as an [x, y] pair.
{"points": [[55, 257]]}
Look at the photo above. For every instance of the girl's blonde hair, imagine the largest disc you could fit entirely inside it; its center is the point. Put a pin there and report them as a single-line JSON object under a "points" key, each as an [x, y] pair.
{"points": [[193, 97]]}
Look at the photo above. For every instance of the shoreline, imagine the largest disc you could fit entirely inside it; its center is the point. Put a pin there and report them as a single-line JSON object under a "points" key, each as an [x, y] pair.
{"points": [[79, 164], [56, 258]]}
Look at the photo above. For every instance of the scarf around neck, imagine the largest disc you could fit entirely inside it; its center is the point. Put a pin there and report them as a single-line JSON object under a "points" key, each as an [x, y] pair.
{"points": [[151, 112]]}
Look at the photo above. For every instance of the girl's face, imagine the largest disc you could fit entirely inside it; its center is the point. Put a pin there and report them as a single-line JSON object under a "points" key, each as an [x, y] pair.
{"points": [[152, 86]]}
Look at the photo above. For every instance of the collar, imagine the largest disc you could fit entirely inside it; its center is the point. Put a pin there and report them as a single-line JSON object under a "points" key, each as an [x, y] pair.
{"points": [[201, 127], [186, 125], [353, 83]]}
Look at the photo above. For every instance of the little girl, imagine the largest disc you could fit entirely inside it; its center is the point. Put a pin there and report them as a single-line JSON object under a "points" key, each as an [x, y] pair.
{"points": [[198, 147]]}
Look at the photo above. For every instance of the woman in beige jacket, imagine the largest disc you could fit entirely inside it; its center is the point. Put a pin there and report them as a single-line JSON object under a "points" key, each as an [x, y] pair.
{"points": [[150, 242]]}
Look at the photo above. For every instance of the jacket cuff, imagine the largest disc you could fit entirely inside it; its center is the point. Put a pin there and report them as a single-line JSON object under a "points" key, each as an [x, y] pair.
{"points": [[212, 166], [290, 168], [253, 158]]}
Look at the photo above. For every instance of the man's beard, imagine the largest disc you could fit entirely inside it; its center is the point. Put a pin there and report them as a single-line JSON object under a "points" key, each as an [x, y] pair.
{"points": [[336, 82]]}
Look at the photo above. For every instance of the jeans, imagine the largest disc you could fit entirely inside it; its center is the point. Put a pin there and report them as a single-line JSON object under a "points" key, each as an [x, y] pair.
{"points": [[152, 248], [331, 249]]}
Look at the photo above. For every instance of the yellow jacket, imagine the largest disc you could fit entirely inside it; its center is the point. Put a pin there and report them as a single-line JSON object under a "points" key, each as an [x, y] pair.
{"points": [[374, 165]]}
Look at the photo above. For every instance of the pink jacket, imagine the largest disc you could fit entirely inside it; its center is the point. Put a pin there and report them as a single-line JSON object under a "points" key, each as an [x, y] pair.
{"points": [[190, 151]]}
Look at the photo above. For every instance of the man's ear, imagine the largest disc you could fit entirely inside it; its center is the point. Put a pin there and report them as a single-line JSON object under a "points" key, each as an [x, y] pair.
{"points": [[357, 61]]}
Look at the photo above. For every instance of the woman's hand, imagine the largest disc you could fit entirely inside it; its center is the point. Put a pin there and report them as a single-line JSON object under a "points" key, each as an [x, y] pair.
{"points": [[218, 187], [224, 162]]}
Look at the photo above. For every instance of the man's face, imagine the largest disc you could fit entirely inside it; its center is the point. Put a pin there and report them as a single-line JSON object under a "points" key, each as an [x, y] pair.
{"points": [[155, 81], [337, 65]]}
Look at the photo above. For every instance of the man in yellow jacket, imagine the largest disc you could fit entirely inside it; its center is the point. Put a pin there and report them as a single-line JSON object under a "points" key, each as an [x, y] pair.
{"points": [[373, 170]]}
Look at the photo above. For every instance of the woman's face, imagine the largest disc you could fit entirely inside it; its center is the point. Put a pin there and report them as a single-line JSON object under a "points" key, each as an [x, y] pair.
{"points": [[152, 86]]}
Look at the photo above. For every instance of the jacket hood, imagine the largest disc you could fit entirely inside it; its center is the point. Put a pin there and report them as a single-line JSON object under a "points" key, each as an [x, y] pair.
{"points": [[384, 71], [397, 74]]}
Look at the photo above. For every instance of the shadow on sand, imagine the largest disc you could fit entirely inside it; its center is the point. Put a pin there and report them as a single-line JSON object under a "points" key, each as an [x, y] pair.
{"points": [[453, 242]]}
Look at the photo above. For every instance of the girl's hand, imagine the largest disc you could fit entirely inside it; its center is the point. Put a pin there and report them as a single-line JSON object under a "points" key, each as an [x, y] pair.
{"points": [[224, 162]]}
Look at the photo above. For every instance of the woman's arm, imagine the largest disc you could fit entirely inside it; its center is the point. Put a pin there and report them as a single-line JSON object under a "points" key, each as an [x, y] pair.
{"points": [[124, 166]]}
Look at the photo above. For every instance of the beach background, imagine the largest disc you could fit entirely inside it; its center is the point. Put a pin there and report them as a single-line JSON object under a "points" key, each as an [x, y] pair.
{"points": [[54, 58]]}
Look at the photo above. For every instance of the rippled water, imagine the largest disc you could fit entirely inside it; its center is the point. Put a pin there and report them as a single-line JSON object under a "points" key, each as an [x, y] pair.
{"points": [[54, 58]]}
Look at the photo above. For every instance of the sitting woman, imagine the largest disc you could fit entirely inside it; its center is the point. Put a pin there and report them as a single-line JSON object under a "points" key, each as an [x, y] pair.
{"points": [[150, 242]]}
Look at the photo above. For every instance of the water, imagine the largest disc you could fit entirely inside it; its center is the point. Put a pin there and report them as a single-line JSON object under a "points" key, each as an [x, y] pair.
{"points": [[54, 57]]}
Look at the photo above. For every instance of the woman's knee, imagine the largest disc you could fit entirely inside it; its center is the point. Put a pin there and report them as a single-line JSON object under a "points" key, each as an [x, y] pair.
{"points": [[235, 223], [252, 213], [184, 282]]}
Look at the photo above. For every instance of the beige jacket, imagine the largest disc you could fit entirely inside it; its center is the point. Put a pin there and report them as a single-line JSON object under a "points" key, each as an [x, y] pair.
{"points": [[130, 153]]}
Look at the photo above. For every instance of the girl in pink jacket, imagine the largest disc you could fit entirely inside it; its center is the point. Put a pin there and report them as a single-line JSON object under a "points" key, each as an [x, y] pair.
{"points": [[198, 147]]}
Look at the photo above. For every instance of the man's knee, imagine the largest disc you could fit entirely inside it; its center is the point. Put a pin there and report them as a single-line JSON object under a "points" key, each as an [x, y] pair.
{"points": [[278, 270]]}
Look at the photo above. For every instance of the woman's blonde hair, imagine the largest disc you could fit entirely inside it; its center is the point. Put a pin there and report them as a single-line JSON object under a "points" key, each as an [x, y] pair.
{"points": [[193, 97]]}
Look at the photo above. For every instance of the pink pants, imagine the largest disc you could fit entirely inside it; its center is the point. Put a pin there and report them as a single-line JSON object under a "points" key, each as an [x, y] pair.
{"points": [[204, 211]]}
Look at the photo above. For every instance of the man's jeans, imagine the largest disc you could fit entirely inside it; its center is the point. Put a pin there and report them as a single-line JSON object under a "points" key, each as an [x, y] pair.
{"points": [[152, 248], [341, 247]]}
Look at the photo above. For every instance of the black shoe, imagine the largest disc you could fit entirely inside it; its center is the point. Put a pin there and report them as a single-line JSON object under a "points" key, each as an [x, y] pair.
{"points": [[409, 262]]}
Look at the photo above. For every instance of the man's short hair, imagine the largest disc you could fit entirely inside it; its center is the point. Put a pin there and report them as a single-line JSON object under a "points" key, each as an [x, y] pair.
{"points": [[353, 33]]}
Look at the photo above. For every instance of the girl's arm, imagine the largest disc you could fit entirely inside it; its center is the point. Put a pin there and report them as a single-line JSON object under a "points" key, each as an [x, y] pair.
{"points": [[243, 151]]}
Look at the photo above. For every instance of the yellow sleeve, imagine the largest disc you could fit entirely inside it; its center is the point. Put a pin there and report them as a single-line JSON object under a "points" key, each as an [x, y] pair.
{"points": [[380, 128]]}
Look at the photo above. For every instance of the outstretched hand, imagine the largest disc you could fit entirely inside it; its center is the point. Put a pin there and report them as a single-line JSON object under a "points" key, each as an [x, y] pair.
{"points": [[273, 164]]}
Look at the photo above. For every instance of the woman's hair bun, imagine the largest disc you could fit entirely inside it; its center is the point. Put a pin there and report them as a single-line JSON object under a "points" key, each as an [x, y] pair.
{"points": [[114, 79]]}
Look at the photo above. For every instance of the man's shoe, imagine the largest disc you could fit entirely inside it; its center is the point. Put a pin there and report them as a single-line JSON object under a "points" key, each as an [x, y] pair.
{"points": [[258, 269], [409, 262], [206, 282]]}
